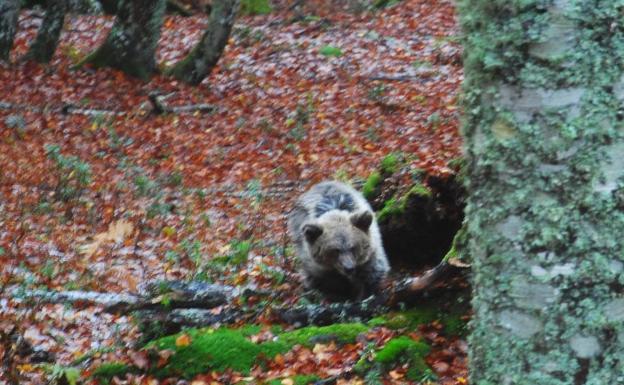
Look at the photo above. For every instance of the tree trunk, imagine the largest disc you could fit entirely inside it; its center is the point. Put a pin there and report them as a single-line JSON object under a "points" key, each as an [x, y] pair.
{"points": [[544, 86], [131, 44], [49, 32], [9, 11], [202, 59]]}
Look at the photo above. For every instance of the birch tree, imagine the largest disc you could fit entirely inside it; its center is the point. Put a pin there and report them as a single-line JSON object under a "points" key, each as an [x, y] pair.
{"points": [[544, 93]]}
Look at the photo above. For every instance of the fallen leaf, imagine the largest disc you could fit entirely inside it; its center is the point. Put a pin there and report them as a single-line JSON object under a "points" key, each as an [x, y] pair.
{"points": [[183, 340]]}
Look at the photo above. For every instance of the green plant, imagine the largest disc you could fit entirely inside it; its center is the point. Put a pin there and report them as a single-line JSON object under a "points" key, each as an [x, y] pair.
{"points": [[74, 175], [62, 374], [255, 7], [330, 51], [377, 93]]}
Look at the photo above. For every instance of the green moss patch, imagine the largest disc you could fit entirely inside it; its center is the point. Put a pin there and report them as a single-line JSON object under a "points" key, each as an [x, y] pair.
{"points": [[411, 319], [371, 184], [308, 336], [400, 347], [390, 163], [297, 380], [224, 348], [398, 351], [108, 370], [211, 349], [396, 206], [330, 51], [255, 7]]}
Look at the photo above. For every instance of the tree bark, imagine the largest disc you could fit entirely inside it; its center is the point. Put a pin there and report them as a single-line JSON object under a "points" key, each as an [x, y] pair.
{"points": [[544, 86], [202, 59], [9, 11], [131, 44], [49, 32]]}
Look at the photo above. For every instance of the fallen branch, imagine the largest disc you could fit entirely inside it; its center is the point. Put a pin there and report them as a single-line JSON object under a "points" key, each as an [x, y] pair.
{"points": [[177, 304], [158, 107]]}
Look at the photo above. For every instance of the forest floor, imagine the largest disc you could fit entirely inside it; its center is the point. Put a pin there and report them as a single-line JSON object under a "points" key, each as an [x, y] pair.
{"points": [[99, 193]]}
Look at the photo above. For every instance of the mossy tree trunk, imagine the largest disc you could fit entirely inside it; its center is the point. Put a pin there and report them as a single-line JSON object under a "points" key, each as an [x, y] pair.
{"points": [[49, 32], [9, 11], [544, 89], [202, 59], [131, 44]]}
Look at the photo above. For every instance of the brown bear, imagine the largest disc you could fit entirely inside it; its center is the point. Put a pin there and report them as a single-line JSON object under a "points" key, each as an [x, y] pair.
{"points": [[338, 242]]}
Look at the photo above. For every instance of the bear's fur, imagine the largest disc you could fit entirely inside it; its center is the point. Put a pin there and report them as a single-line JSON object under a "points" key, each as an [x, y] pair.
{"points": [[337, 241]]}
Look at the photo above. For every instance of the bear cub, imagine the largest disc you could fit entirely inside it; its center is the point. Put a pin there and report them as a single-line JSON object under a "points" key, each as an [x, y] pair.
{"points": [[337, 242]]}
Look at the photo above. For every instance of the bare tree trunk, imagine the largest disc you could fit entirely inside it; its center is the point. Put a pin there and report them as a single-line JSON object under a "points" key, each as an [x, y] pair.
{"points": [[202, 59], [9, 11], [49, 32], [545, 146], [131, 44]]}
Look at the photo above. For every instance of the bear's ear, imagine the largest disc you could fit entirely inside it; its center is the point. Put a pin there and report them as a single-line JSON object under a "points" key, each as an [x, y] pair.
{"points": [[362, 220], [312, 232]]}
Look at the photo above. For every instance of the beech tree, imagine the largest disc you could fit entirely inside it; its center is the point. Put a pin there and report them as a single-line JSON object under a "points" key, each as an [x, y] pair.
{"points": [[544, 134], [131, 43], [9, 11], [202, 59], [49, 32]]}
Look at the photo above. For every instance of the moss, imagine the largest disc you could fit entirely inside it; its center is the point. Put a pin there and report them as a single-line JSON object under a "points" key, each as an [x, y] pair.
{"points": [[400, 347], [371, 184], [394, 206], [308, 336], [297, 380], [397, 351], [418, 189], [411, 319], [390, 163], [455, 325], [255, 7], [458, 244], [330, 51], [218, 350], [224, 348], [107, 371], [391, 208], [405, 349]]}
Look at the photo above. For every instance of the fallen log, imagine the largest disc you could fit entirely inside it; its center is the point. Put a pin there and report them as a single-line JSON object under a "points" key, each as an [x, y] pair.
{"points": [[176, 304]]}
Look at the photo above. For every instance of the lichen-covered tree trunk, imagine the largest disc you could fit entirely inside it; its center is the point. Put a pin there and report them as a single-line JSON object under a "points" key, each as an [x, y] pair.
{"points": [[202, 59], [544, 88], [9, 11], [131, 44], [49, 32]]}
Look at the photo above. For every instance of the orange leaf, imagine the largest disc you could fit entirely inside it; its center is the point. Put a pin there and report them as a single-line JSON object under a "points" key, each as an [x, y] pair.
{"points": [[183, 340]]}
